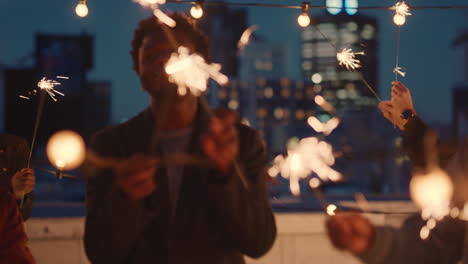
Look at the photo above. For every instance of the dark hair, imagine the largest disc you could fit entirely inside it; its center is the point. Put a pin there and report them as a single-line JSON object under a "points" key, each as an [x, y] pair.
{"points": [[183, 25]]}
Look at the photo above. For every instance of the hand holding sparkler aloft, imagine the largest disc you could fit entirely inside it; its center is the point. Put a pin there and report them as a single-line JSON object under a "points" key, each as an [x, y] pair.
{"points": [[221, 143], [401, 102], [351, 232]]}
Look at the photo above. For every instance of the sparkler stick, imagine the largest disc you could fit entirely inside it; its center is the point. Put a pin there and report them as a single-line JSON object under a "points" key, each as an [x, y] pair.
{"points": [[237, 168], [170, 160], [401, 11]]}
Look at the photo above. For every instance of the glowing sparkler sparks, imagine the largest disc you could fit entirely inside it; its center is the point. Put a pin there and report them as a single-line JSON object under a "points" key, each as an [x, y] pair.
{"points": [[48, 86], [245, 38], [309, 156], [398, 70], [432, 192], [324, 104], [158, 13], [402, 9], [325, 128], [347, 58], [190, 71], [150, 3]]}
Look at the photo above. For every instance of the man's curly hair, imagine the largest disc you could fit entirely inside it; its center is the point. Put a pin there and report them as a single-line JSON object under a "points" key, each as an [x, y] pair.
{"points": [[183, 25]]}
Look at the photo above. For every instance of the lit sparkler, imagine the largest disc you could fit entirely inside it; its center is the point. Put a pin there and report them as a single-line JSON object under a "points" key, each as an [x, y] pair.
{"points": [[309, 156], [245, 38], [324, 128], [49, 87], [402, 9], [347, 59], [157, 12], [190, 71], [398, 70]]}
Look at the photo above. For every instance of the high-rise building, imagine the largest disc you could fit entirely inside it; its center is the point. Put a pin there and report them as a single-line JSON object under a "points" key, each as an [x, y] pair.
{"points": [[224, 27], [340, 86], [460, 92], [262, 59], [84, 107]]}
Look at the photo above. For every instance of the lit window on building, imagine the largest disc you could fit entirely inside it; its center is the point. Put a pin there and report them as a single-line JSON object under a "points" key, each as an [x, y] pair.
{"points": [[222, 93], [349, 76], [267, 66], [299, 94], [268, 92], [278, 113], [233, 104], [310, 92], [286, 92], [307, 53], [368, 32], [258, 65], [342, 94], [300, 114], [316, 78], [352, 26], [261, 112], [261, 82], [308, 34], [324, 49], [287, 113], [307, 65], [234, 94]]}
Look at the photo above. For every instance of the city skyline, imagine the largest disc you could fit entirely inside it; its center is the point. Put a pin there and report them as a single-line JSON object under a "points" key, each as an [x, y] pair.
{"points": [[424, 53]]}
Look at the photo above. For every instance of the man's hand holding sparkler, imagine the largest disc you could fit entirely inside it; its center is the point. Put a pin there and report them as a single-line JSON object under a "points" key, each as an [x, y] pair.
{"points": [[135, 176], [23, 182], [397, 110], [351, 232], [221, 143]]}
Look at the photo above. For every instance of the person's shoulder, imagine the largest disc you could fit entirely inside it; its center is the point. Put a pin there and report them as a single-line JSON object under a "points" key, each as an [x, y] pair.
{"points": [[249, 136]]}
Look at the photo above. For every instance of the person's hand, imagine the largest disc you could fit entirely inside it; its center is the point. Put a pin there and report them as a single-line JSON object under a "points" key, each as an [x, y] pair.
{"points": [[23, 182], [351, 232], [221, 142], [401, 100], [135, 176], [391, 115]]}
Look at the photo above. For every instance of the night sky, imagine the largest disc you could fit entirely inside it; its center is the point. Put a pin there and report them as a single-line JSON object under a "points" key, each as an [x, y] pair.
{"points": [[426, 39]]}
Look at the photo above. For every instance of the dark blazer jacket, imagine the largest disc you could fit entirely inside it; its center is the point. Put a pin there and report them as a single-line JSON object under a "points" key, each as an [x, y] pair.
{"points": [[216, 220]]}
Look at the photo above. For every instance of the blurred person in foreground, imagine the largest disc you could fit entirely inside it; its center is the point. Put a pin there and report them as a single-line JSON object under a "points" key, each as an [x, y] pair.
{"points": [[447, 241], [13, 240], [147, 212], [15, 176]]}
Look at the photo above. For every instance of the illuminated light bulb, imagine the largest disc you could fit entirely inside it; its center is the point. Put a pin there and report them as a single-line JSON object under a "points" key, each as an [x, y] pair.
{"points": [[81, 9], [399, 20], [196, 11], [432, 191], [66, 150], [303, 20]]}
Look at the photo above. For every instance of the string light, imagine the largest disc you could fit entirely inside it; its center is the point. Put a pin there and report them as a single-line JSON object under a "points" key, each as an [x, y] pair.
{"points": [[81, 9], [197, 11], [303, 19]]}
